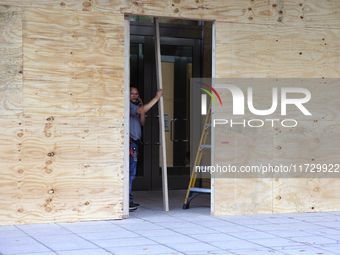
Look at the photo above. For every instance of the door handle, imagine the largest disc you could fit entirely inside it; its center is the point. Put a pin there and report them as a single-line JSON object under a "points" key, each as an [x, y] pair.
{"points": [[188, 129], [172, 130]]}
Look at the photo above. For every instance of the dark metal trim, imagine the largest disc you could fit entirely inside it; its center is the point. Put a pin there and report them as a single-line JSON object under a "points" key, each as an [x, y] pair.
{"points": [[171, 30]]}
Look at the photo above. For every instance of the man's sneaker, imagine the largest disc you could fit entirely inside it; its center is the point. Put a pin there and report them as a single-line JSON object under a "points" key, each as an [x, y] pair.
{"points": [[133, 204], [132, 207]]}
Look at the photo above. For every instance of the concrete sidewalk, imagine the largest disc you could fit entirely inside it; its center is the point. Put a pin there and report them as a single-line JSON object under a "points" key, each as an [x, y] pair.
{"points": [[149, 230]]}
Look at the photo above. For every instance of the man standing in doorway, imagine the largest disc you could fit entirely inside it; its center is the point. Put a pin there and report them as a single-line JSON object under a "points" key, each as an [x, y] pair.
{"points": [[137, 119]]}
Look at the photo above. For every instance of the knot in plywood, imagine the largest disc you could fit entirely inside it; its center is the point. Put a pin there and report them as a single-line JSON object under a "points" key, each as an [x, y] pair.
{"points": [[48, 133], [20, 135], [48, 170], [86, 4], [48, 125], [51, 154]]}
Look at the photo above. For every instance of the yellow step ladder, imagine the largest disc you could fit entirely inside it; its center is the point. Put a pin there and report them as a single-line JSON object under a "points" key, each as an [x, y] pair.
{"points": [[193, 191]]}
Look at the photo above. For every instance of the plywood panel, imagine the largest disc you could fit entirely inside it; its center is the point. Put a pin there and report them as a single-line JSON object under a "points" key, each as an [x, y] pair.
{"points": [[323, 13], [276, 51], [75, 5], [279, 12], [74, 63], [254, 51], [10, 61], [242, 147], [60, 169], [245, 11], [311, 142], [311, 13]]}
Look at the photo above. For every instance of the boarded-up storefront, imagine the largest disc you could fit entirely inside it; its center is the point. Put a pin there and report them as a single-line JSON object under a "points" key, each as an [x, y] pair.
{"points": [[62, 101]]}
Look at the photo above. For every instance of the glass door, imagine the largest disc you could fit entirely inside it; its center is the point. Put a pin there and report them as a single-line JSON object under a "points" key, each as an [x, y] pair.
{"points": [[180, 62]]}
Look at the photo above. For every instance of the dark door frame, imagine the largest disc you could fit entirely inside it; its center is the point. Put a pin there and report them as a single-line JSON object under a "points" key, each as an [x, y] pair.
{"points": [[183, 35]]}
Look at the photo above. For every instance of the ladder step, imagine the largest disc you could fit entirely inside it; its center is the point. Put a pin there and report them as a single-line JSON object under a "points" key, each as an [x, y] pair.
{"points": [[192, 191], [205, 146], [200, 190]]}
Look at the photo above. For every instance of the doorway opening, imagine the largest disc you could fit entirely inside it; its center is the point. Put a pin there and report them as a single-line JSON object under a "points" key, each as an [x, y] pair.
{"points": [[186, 52]]}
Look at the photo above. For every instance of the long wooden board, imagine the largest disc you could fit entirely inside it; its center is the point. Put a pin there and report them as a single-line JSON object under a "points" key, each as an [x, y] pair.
{"points": [[161, 117], [126, 116]]}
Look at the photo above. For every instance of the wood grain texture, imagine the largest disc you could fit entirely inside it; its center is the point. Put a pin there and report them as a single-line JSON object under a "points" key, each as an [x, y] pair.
{"points": [[311, 142], [255, 51], [273, 12], [58, 169], [245, 11], [323, 13], [280, 52], [101, 6], [305, 195], [302, 13], [11, 85], [241, 147], [74, 63]]}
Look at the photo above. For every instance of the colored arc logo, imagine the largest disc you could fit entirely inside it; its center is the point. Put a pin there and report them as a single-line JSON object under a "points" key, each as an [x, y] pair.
{"points": [[212, 89]]}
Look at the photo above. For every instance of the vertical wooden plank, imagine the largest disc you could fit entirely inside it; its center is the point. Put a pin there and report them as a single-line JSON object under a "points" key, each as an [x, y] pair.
{"points": [[126, 115], [161, 116], [11, 86], [213, 76]]}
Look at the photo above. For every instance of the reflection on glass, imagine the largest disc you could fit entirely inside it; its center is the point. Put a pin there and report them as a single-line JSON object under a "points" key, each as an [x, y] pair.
{"points": [[176, 74]]}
